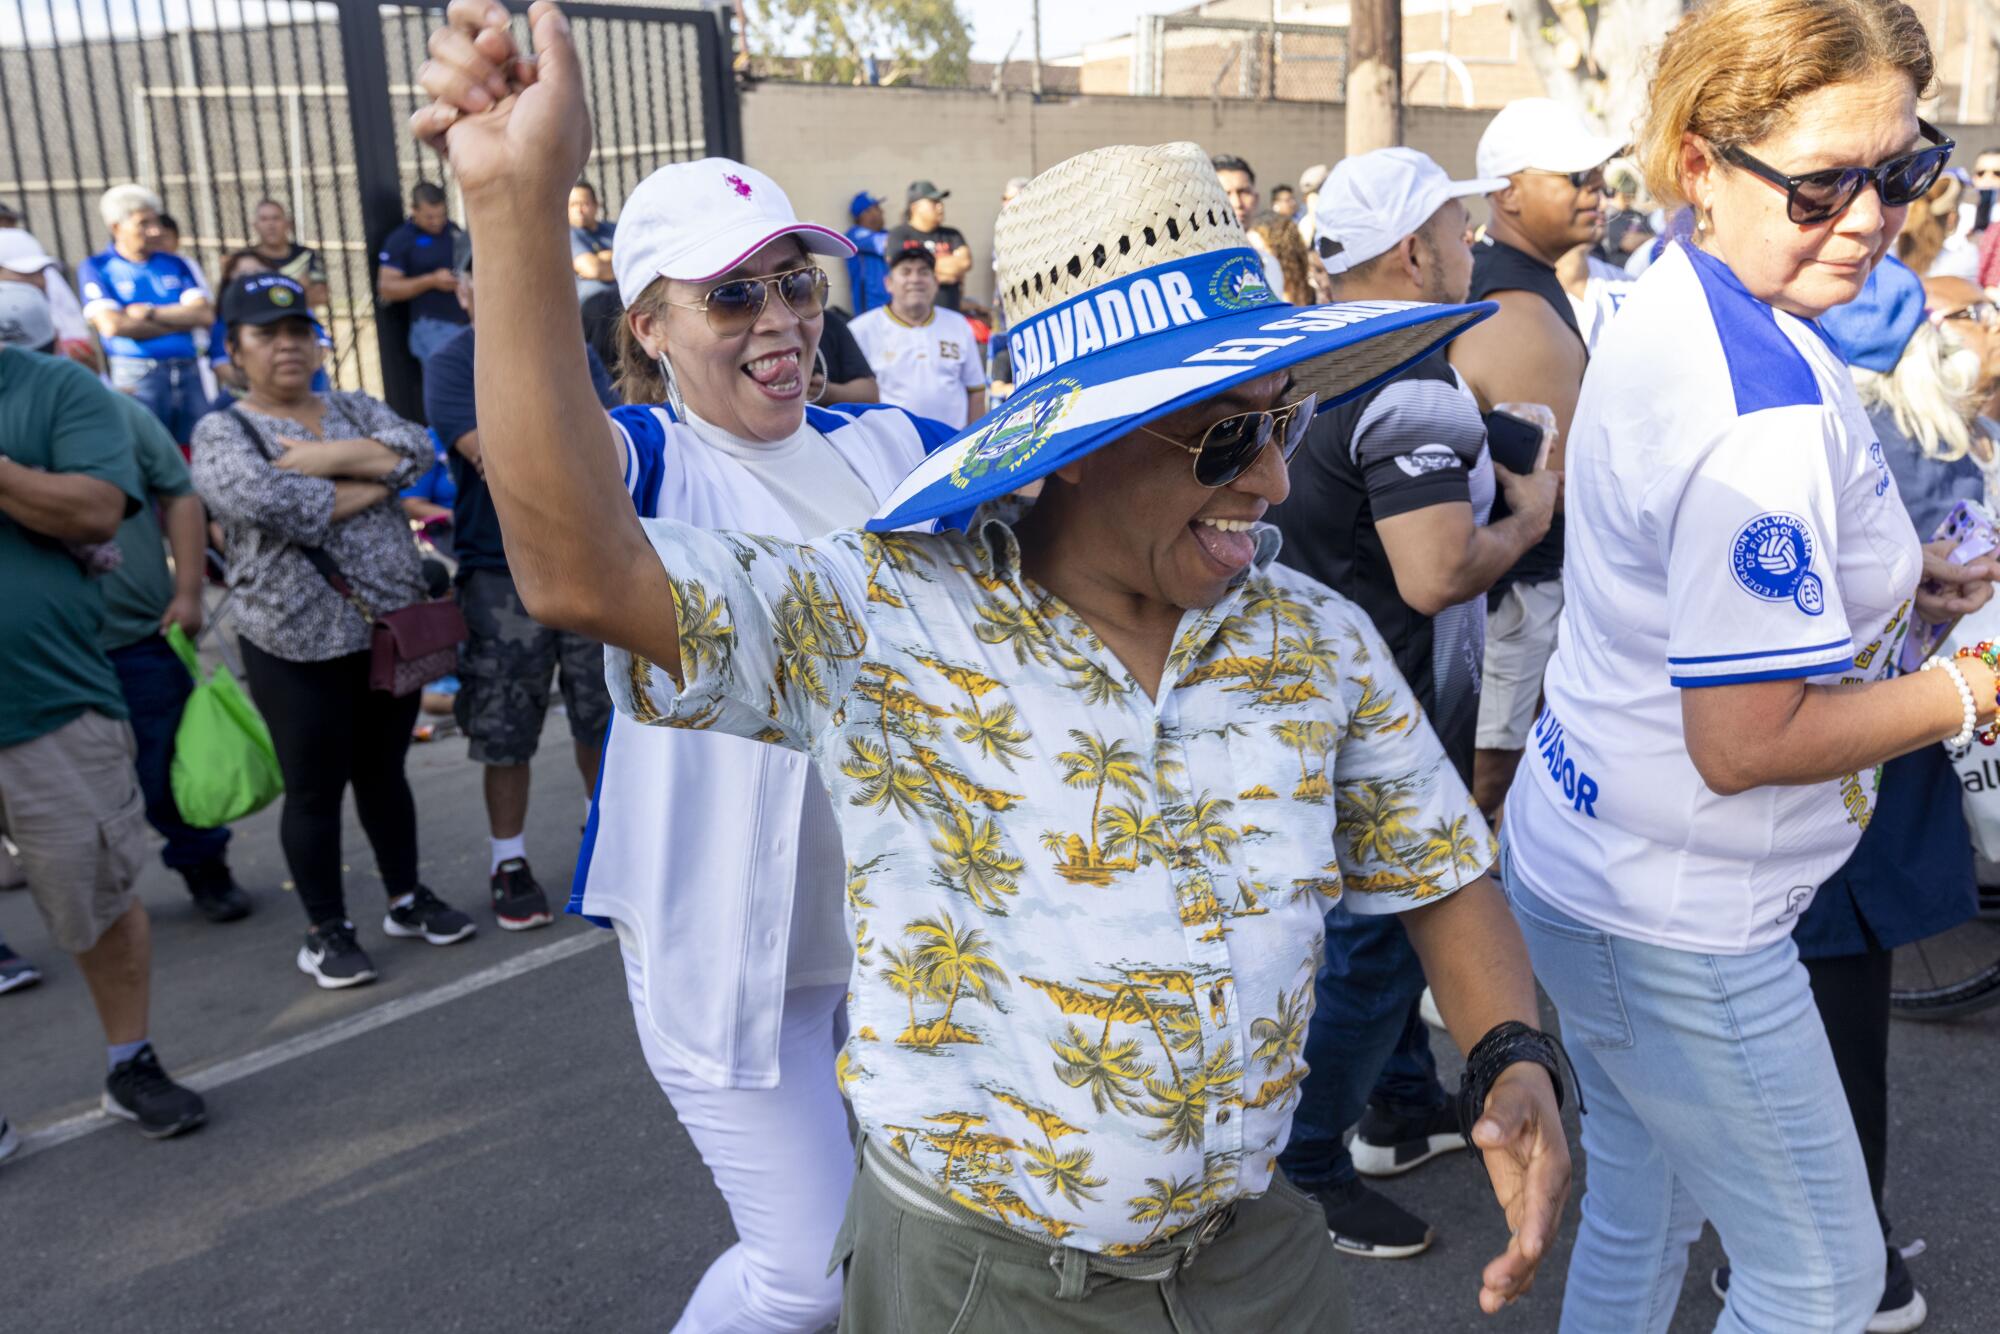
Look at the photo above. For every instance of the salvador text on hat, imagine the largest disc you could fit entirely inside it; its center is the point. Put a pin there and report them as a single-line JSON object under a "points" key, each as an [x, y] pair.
{"points": [[1134, 294]]}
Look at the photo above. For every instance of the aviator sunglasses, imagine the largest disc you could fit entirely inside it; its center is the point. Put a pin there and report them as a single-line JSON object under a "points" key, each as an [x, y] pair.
{"points": [[1228, 449], [734, 306], [1819, 195]]}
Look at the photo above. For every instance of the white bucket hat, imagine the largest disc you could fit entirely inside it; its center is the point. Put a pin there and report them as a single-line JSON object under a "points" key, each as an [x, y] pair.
{"points": [[698, 220], [1133, 294]]}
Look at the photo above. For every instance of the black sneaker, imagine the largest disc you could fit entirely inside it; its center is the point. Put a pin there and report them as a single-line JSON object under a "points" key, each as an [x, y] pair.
{"points": [[1387, 1145], [16, 972], [518, 901], [139, 1090], [333, 958], [429, 917], [1901, 1309], [1363, 1222], [215, 892], [10, 1143]]}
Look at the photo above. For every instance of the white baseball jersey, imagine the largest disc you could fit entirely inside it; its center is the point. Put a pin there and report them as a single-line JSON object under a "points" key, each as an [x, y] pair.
{"points": [[1730, 519], [925, 369]]}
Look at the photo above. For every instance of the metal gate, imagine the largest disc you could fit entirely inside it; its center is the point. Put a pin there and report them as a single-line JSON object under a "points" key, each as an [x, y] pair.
{"points": [[217, 104]]}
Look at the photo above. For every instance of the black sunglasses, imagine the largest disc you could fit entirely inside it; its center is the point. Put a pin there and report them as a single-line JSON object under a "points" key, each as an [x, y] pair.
{"points": [[1590, 177], [1820, 195], [1229, 448], [734, 306]]}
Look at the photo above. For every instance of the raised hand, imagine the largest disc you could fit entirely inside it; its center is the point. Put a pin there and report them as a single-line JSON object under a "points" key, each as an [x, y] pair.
{"points": [[1520, 1134], [515, 130]]}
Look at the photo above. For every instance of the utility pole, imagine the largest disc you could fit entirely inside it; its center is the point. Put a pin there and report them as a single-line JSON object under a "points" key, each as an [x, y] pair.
{"points": [[1374, 76], [1035, 18]]}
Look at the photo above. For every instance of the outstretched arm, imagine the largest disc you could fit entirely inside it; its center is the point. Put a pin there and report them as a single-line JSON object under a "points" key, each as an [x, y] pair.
{"points": [[517, 134]]}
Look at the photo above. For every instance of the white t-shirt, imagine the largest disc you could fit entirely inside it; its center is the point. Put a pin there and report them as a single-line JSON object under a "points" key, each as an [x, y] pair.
{"points": [[923, 368], [1730, 519]]}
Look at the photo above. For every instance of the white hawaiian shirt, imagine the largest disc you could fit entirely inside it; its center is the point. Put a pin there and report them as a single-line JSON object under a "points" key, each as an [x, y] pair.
{"points": [[1086, 921]]}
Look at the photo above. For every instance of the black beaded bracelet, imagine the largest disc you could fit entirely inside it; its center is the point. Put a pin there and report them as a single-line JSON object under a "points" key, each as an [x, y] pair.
{"points": [[1504, 1045]]}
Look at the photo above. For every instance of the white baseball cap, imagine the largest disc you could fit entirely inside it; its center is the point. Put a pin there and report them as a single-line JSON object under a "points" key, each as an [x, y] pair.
{"points": [[1541, 134], [1372, 201], [695, 220], [24, 317], [21, 252]]}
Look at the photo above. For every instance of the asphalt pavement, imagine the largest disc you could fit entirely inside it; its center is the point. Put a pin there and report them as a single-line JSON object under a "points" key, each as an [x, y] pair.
{"points": [[473, 1142]]}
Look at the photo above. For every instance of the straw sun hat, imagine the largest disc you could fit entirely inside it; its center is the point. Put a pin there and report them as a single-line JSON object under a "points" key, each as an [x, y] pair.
{"points": [[1133, 293]]}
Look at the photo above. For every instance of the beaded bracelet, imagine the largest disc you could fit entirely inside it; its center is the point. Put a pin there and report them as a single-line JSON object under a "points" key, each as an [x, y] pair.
{"points": [[1961, 742], [1987, 652]]}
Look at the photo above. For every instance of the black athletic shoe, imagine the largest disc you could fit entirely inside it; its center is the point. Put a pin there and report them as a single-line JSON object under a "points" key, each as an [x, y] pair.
{"points": [[428, 917], [1387, 1145], [139, 1090], [215, 892], [518, 901], [10, 1143], [1363, 1222], [333, 958], [16, 972], [1901, 1309]]}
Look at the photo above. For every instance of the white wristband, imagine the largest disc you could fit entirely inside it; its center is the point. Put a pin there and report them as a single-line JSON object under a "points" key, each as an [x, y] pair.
{"points": [[1958, 745]]}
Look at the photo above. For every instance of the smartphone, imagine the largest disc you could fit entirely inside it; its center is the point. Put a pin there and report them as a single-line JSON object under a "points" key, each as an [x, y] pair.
{"points": [[1973, 532]]}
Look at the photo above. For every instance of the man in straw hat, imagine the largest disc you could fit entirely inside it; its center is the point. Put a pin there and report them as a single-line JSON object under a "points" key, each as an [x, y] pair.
{"points": [[1098, 772]]}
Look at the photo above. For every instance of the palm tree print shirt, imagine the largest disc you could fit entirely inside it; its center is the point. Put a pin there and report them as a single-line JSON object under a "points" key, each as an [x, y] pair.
{"points": [[1086, 924]]}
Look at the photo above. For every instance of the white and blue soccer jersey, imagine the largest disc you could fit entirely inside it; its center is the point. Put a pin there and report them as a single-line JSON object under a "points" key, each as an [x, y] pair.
{"points": [[1730, 519], [697, 840], [110, 279]]}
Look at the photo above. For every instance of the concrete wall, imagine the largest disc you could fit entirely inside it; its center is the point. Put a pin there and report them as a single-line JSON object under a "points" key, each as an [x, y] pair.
{"points": [[823, 142]]}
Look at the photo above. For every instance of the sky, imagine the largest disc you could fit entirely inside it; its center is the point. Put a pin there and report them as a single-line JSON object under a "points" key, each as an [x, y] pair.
{"points": [[1066, 24]]}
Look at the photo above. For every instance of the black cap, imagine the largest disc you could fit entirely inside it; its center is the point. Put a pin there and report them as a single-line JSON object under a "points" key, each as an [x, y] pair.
{"points": [[925, 190], [899, 248], [264, 298]]}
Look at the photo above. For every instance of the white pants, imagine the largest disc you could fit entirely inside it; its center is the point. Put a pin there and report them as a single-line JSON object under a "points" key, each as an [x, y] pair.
{"points": [[783, 1162]]}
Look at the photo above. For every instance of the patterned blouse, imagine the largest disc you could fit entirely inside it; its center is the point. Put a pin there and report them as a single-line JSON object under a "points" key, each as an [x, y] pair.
{"points": [[1086, 923], [283, 605]]}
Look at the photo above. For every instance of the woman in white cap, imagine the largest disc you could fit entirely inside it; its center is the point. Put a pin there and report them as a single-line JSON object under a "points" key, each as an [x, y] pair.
{"points": [[717, 859], [1081, 966]]}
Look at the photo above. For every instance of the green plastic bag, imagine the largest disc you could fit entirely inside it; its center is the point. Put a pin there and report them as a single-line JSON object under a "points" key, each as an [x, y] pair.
{"points": [[224, 764]]}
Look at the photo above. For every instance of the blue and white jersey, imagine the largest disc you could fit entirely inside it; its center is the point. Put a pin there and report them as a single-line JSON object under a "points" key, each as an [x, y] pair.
{"points": [[110, 279], [697, 839], [1731, 519]]}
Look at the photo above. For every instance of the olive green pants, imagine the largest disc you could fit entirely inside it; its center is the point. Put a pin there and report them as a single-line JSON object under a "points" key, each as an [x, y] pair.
{"points": [[917, 1263]]}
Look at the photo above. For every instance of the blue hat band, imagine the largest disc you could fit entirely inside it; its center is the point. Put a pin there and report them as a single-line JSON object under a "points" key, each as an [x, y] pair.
{"points": [[1166, 296]]}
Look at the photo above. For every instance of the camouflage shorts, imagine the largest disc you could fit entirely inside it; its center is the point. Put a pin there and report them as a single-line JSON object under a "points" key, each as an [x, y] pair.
{"points": [[504, 670]]}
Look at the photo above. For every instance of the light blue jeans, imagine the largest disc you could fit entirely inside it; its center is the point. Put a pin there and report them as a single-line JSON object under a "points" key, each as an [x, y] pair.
{"points": [[1711, 1093]]}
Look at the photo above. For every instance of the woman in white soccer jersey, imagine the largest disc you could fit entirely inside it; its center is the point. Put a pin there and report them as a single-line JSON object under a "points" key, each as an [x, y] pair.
{"points": [[1740, 572], [697, 840]]}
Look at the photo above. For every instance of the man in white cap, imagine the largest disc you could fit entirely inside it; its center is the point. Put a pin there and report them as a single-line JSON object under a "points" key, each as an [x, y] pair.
{"points": [[1389, 506], [1080, 759], [1531, 352], [22, 259]]}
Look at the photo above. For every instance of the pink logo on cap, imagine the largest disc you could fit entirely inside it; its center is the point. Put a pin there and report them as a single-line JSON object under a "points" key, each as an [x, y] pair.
{"points": [[741, 186]]}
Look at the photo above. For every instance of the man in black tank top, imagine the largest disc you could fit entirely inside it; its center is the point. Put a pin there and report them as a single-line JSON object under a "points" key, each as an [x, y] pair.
{"points": [[1531, 352]]}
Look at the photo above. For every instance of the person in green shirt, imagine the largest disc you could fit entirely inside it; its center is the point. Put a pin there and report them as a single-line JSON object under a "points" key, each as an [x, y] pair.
{"points": [[69, 795], [142, 597]]}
